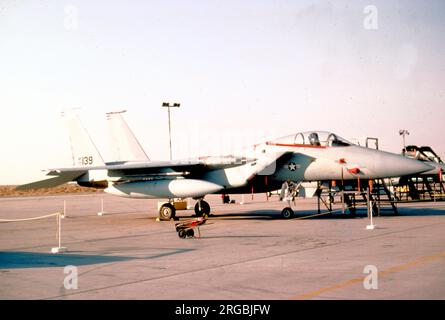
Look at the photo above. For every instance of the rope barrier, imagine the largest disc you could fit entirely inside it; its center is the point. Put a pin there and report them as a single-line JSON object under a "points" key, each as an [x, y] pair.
{"points": [[59, 215], [30, 219]]}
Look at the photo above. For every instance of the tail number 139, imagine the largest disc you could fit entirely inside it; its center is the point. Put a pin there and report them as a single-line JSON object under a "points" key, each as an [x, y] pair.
{"points": [[84, 161]]}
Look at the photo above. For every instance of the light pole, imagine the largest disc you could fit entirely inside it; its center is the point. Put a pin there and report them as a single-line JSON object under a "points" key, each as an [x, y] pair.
{"points": [[403, 133], [170, 105]]}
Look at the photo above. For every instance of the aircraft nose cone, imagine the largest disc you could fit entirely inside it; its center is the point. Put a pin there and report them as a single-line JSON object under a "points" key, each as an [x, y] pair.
{"points": [[416, 166], [398, 166], [435, 168]]}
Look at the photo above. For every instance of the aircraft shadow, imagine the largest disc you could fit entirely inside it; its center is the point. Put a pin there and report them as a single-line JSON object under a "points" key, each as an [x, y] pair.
{"points": [[255, 215], [251, 215], [275, 215], [360, 213], [402, 212], [240, 237], [418, 211], [15, 260], [22, 260]]}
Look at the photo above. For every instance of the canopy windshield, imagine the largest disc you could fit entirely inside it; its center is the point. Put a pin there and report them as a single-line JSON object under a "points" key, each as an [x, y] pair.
{"points": [[314, 138]]}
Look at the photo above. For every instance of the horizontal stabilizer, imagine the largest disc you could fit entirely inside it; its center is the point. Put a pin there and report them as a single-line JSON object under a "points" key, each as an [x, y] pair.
{"points": [[52, 182]]}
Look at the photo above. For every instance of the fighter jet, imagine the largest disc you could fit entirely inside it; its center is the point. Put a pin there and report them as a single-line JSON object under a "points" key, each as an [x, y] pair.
{"points": [[306, 156]]}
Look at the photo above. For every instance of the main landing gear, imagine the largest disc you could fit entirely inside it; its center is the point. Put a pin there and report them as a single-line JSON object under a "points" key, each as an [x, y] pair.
{"points": [[202, 208], [168, 211]]}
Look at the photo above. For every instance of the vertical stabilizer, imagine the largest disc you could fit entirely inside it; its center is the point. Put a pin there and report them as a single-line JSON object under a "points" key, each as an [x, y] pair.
{"points": [[123, 143], [83, 150]]}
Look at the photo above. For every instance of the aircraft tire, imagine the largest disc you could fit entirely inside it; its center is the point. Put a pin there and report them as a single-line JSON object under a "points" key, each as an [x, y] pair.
{"points": [[205, 209], [182, 234], [287, 213], [167, 212]]}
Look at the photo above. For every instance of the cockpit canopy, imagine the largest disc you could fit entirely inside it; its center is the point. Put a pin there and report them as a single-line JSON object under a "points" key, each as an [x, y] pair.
{"points": [[314, 138]]}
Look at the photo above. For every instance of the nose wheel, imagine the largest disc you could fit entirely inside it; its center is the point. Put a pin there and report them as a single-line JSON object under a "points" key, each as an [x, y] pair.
{"points": [[202, 208], [289, 190], [287, 213]]}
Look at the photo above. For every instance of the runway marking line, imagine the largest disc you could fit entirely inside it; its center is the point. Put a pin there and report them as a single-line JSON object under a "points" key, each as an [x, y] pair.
{"points": [[402, 267]]}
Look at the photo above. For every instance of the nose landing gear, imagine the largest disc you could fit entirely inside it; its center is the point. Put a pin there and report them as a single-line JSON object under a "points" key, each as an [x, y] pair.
{"points": [[289, 190], [287, 213], [202, 208]]}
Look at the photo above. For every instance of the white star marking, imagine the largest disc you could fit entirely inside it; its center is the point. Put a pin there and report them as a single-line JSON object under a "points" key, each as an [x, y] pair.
{"points": [[292, 166]]}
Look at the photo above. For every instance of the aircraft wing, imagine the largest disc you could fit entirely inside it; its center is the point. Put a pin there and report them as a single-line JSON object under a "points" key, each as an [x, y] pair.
{"points": [[128, 166], [153, 166], [119, 171]]}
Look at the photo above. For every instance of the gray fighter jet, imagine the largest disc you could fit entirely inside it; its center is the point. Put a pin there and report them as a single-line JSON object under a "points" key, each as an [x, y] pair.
{"points": [[307, 156]]}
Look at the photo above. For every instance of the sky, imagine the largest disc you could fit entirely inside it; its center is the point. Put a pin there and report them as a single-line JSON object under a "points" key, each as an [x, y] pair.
{"points": [[243, 71]]}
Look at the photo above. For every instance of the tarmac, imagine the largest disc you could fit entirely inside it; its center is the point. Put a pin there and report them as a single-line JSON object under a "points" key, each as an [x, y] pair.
{"points": [[244, 252]]}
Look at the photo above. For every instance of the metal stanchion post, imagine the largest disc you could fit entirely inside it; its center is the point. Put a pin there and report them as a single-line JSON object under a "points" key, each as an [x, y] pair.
{"points": [[101, 212], [64, 209], [370, 226], [59, 249]]}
